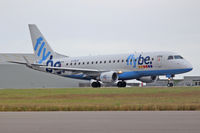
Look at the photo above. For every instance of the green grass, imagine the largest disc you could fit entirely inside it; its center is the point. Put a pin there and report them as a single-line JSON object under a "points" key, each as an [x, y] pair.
{"points": [[94, 99]]}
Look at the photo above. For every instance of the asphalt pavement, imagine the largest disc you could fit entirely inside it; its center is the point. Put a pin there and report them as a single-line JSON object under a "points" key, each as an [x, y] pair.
{"points": [[100, 122]]}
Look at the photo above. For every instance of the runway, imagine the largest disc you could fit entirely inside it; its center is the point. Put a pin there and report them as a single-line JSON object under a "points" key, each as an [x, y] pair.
{"points": [[100, 122]]}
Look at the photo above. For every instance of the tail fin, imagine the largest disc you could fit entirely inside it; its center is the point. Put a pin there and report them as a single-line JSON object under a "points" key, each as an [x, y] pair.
{"points": [[42, 50]]}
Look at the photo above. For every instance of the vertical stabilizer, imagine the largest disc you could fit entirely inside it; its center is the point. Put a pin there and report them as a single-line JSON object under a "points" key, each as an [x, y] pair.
{"points": [[41, 48]]}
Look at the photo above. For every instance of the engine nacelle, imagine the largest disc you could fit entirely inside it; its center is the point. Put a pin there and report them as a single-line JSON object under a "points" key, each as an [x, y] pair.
{"points": [[108, 77], [148, 79]]}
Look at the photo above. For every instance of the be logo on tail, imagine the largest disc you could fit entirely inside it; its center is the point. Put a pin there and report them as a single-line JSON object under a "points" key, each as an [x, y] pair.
{"points": [[40, 44]]}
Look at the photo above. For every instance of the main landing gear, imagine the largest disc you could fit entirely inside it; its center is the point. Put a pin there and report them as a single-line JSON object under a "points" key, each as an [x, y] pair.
{"points": [[170, 81], [121, 84], [96, 84]]}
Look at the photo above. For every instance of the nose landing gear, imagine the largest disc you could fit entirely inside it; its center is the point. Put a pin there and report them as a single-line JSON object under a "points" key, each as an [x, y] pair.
{"points": [[170, 80], [170, 84]]}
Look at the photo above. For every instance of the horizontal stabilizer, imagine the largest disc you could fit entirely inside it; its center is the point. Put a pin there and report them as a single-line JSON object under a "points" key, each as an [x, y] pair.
{"points": [[23, 63]]}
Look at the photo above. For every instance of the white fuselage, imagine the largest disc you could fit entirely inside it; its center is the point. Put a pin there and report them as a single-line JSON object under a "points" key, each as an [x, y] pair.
{"points": [[129, 66]]}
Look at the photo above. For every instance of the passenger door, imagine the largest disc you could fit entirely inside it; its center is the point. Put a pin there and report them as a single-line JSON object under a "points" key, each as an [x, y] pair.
{"points": [[159, 60]]}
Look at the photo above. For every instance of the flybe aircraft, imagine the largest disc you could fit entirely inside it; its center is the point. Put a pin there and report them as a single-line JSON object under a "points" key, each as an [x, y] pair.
{"points": [[116, 69]]}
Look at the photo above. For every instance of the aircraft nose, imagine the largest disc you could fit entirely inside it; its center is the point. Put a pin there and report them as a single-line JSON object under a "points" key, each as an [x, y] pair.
{"points": [[189, 66]]}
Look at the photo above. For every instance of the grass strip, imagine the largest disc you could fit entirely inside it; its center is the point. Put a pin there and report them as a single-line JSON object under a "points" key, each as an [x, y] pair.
{"points": [[101, 99]]}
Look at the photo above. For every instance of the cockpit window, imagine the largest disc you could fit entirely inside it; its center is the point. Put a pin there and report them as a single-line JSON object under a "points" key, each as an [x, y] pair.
{"points": [[178, 57], [170, 57]]}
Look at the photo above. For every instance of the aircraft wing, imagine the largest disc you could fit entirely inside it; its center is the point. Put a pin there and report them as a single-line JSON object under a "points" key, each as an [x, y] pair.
{"points": [[83, 70], [73, 69]]}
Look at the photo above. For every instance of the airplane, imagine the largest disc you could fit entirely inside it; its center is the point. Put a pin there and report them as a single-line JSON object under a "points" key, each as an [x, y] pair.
{"points": [[105, 69]]}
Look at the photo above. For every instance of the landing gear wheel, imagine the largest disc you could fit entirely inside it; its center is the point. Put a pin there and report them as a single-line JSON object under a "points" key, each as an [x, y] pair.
{"points": [[96, 84], [170, 81], [121, 84], [170, 85], [99, 84]]}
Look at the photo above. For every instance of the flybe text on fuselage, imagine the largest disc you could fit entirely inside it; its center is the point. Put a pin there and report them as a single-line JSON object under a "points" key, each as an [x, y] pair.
{"points": [[141, 62]]}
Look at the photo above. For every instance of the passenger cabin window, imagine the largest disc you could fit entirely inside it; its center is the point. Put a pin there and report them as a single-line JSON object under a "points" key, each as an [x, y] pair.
{"points": [[104, 61], [178, 57], [170, 58]]}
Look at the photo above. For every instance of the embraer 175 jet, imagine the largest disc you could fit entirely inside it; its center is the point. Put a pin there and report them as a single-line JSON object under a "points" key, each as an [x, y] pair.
{"points": [[116, 69]]}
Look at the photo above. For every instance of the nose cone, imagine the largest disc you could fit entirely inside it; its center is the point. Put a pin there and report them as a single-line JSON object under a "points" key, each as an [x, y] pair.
{"points": [[188, 66]]}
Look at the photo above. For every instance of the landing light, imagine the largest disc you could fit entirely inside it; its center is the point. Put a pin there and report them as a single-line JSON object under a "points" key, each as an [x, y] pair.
{"points": [[119, 72]]}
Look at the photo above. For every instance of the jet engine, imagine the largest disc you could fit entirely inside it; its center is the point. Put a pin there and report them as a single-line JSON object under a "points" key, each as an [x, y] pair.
{"points": [[148, 79], [108, 77]]}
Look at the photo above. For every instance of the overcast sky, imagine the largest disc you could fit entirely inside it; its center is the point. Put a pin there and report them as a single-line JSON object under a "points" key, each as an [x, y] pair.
{"points": [[97, 27]]}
